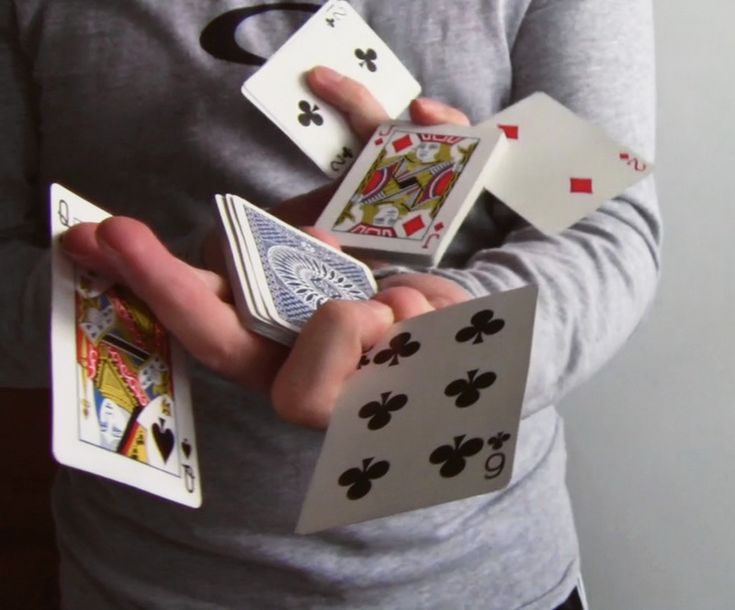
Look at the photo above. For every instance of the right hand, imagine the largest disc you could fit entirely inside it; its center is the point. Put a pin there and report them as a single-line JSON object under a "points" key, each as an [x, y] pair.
{"points": [[364, 114]]}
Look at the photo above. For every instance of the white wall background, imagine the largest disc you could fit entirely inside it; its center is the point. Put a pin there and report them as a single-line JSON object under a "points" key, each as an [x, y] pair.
{"points": [[652, 437]]}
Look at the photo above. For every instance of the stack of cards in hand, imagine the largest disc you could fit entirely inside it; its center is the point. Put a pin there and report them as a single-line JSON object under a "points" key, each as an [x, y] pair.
{"points": [[281, 275], [410, 189]]}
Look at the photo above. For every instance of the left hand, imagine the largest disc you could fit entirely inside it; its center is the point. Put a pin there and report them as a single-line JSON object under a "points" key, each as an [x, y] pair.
{"points": [[195, 304]]}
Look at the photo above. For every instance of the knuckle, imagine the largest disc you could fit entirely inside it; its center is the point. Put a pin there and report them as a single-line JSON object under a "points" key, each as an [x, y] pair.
{"points": [[296, 405], [221, 357], [337, 315], [401, 293], [356, 91], [227, 356]]}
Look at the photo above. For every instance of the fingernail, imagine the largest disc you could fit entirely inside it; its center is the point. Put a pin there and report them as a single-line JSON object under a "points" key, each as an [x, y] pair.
{"points": [[381, 309], [326, 76], [438, 302], [80, 259], [103, 243], [429, 104], [111, 254]]}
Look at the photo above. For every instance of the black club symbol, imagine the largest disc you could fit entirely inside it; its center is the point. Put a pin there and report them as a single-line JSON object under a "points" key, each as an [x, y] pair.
{"points": [[364, 361], [401, 346], [482, 323], [453, 458], [379, 412], [467, 390], [359, 480], [497, 441], [367, 58], [309, 114]]}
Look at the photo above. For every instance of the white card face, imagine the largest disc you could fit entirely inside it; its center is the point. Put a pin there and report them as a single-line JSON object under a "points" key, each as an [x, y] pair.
{"points": [[121, 403], [430, 416], [410, 189], [337, 37], [557, 167]]}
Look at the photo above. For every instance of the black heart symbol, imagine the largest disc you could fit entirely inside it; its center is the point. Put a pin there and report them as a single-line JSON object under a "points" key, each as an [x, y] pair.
{"points": [[164, 440]]}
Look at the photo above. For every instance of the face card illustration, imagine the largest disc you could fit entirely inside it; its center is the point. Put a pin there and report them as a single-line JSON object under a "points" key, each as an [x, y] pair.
{"points": [[557, 167], [410, 189], [431, 415], [296, 272], [121, 404], [336, 36]]}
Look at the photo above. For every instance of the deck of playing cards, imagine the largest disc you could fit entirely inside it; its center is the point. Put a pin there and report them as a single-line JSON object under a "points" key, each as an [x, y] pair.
{"points": [[335, 36], [121, 405], [281, 275], [410, 189]]}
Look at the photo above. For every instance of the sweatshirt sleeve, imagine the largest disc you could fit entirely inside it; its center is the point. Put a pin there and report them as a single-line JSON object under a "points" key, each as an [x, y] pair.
{"points": [[597, 278], [24, 254]]}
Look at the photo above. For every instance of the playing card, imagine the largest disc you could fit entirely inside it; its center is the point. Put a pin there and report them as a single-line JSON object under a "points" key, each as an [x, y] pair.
{"points": [[284, 274], [335, 36], [249, 301], [431, 415], [121, 404], [557, 167], [410, 189]]}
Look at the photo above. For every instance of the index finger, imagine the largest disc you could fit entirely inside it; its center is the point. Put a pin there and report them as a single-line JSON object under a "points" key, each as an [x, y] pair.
{"points": [[324, 355], [362, 110], [328, 350]]}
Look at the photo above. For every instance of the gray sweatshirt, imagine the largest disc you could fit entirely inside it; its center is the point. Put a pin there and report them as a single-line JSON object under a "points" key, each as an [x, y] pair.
{"points": [[126, 103]]}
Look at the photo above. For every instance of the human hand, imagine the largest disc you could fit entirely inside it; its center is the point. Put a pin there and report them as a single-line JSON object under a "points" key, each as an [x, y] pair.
{"points": [[438, 291], [195, 306], [364, 114]]}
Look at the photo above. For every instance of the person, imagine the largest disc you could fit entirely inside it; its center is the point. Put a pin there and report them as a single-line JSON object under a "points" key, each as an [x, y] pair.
{"points": [[136, 107]]}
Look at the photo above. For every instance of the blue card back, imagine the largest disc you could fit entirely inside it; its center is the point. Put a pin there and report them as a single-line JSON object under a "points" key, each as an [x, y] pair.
{"points": [[302, 273]]}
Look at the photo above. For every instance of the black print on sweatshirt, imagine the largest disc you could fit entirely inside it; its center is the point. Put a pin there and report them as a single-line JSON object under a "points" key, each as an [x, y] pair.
{"points": [[218, 37]]}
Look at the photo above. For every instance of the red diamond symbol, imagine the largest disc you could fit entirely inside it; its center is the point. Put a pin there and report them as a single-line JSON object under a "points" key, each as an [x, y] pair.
{"points": [[413, 225], [511, 131], [402, 143], [378, 142], [438, 226], [624, 156], [580, 185]]}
